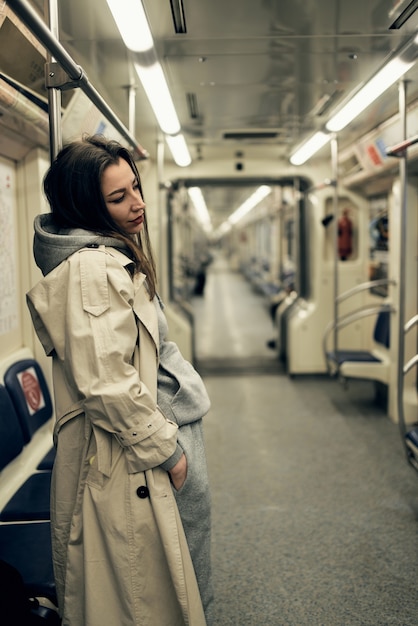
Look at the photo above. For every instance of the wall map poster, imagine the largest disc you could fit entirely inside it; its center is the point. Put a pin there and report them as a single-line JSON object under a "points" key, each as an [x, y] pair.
{"points": [[8, 265]]}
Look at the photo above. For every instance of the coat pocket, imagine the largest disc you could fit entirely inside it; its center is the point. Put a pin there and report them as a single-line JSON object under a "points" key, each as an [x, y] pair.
{"points": [[102, 455]]}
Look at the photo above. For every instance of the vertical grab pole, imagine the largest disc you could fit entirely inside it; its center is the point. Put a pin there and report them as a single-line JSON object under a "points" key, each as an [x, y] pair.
{"points": [[297, 254], [162, 223], [334, 163], [131, 108], [54, 95], [281, 236], [402, 262]]}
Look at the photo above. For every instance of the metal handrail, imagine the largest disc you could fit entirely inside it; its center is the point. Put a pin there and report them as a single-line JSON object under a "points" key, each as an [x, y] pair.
{"points": [[403, 173], [400, 149], [75, 73], [336, 322], [410, 323], [379, 282], [409, 365], [353, 316]]}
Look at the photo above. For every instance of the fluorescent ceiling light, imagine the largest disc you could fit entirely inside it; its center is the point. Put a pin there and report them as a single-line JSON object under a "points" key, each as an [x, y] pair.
{"points": [[179, 150], [155, 86], [372, 90], [310, 147], [132, 22], [200, 205], [222, 230], [259, 195]]}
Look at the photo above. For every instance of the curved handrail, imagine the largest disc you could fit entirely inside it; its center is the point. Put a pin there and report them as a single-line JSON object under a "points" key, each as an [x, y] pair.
{"points": [[337, 323], [410, 364], [379, 282], [410, 323], [353, 316]]}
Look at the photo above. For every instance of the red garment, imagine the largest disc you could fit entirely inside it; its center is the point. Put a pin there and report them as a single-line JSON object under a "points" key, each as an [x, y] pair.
{"points": [[345, 237]]}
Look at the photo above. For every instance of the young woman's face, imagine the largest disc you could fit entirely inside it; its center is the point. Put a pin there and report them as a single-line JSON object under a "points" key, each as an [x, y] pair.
{"points": [[120, 189]]}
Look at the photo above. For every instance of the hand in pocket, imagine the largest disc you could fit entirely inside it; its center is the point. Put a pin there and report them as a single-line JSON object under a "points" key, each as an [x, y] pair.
{"points": [[178, 473]]}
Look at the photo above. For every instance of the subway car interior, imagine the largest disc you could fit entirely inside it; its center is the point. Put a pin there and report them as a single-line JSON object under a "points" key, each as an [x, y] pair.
{"points": [[277, 144]]}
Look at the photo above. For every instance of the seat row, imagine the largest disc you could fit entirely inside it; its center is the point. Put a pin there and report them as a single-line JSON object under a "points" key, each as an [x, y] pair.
{"points": [[26, 460]]}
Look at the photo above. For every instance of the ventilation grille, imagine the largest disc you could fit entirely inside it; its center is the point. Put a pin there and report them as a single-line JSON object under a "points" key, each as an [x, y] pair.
{"points": [[401, 13], [179, 20], [192, 105], [248, 134]]}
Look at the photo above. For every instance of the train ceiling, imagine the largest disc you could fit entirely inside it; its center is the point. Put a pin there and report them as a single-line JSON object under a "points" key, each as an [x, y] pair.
{"points": [[250, 79]]}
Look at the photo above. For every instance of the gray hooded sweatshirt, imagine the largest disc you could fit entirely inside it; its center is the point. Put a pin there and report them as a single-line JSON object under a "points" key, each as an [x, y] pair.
{"points": [[182, 396]]}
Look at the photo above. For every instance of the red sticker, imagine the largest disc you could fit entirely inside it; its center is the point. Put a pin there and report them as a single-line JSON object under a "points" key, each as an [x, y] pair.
{"points": [[31, 389]]}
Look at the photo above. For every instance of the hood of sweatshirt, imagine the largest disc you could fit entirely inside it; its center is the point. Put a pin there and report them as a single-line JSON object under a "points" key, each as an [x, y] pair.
{"points": [[52, 245]]}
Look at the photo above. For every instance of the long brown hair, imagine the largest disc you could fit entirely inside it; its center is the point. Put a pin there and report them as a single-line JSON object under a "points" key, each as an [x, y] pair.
{"points": [[72, 186]]}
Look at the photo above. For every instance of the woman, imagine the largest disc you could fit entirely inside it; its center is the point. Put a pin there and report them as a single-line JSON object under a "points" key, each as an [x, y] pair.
{"points": [[128, 406]]}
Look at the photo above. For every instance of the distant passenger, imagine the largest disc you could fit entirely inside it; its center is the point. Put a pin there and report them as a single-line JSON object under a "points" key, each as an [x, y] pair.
{"points": [[203, 262], [130, 452]]}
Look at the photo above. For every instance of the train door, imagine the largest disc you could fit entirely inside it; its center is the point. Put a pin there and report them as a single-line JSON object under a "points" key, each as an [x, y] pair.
{"points": [[322, 218]]}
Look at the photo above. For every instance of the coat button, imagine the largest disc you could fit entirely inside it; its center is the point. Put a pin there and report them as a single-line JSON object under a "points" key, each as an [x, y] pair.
{"points": [[142, 492]]}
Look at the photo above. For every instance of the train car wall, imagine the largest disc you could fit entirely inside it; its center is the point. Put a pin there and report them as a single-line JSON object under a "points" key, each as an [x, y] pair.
{"points": [[10, 314], [21, 200]]}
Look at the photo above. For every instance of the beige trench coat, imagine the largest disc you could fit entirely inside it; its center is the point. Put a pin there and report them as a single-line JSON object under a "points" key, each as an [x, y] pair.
{"points": [[120, 554]]}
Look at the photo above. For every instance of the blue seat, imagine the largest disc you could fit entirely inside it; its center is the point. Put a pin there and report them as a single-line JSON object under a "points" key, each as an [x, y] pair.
{"points": [[411, 441], [381, 335], [28, 389], [27, 547], [11, 436], [48, 461], [367, 364], [31, 501]]}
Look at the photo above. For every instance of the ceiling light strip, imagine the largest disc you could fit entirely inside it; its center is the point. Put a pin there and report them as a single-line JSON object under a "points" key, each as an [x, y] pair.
{"points": [[201, 209], [132, 23], [251, 202], [309, 148], [179, 150], [388, 75]]}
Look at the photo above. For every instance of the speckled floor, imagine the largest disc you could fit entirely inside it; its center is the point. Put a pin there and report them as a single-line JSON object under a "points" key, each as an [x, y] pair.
{"points": [[315, 510]]}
